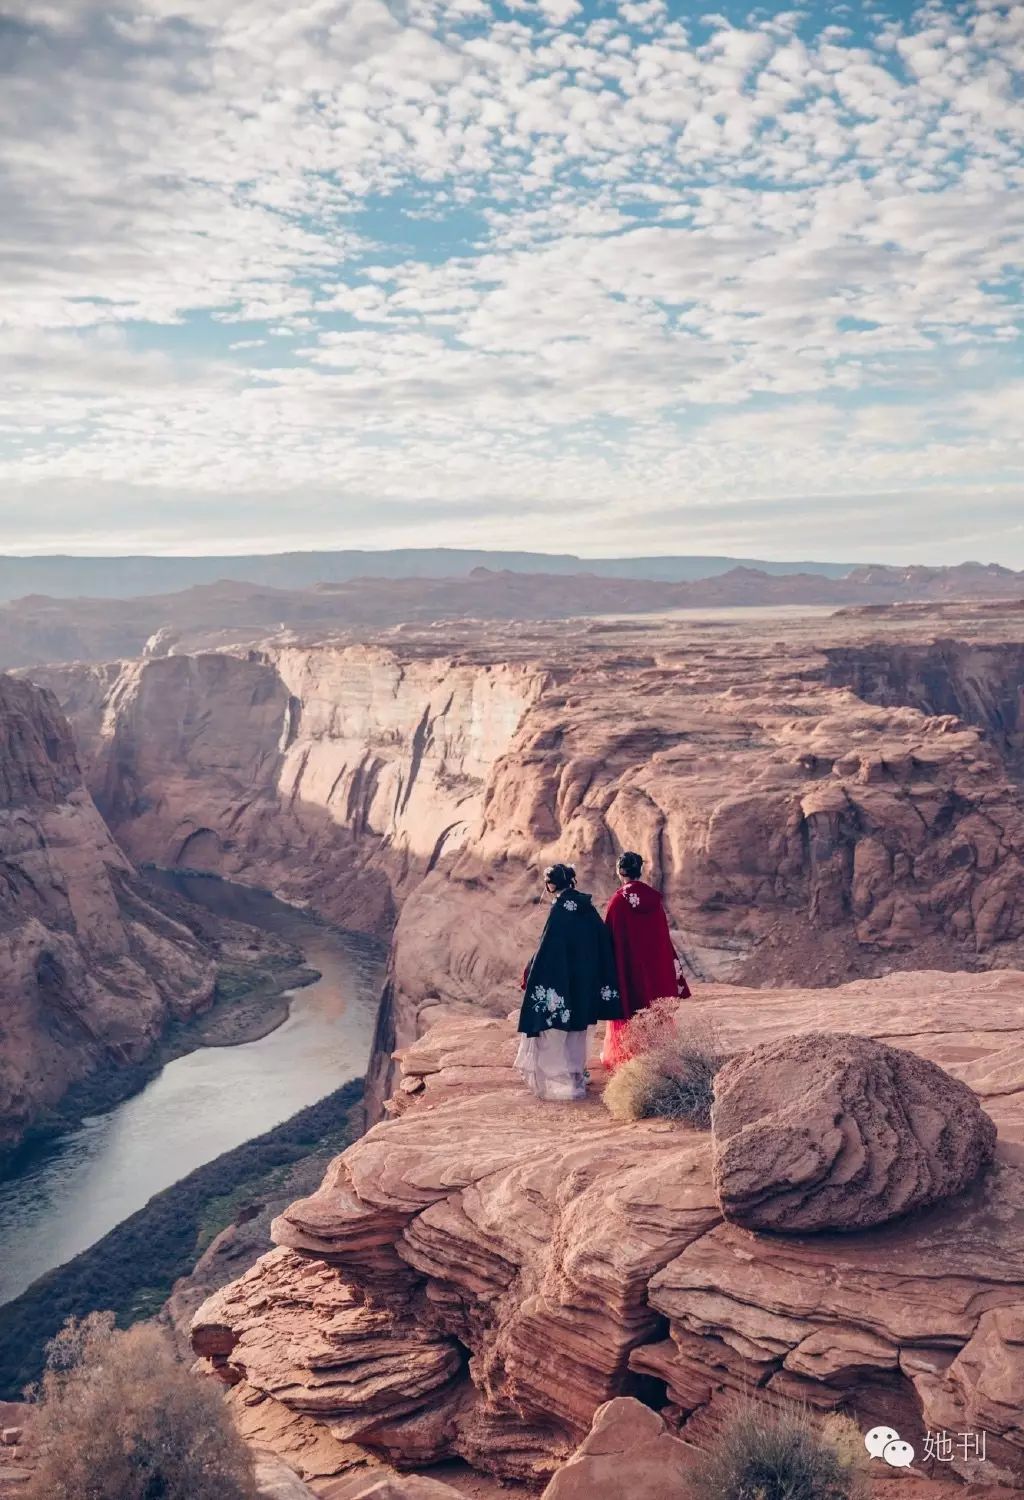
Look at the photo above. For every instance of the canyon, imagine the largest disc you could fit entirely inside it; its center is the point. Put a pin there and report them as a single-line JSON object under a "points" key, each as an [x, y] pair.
{"points": [[809, 816], [93, 961], [834, 811]]}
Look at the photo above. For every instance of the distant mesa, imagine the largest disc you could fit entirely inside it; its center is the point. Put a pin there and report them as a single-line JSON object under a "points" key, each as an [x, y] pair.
{"points": [[110, 618], [132, 577]]}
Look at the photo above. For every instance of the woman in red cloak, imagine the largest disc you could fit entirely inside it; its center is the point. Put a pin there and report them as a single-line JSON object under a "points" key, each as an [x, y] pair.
{"points": [[644, 956]]}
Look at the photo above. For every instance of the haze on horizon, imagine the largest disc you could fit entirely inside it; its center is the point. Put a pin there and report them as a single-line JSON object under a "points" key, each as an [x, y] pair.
{"points": [[547, 275]]}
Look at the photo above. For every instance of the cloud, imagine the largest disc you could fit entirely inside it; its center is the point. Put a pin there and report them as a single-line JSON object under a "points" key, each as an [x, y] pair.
{"points": [[456, 255]]}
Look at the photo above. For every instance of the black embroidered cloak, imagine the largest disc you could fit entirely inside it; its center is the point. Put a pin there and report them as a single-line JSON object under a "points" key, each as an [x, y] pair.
{"points": [[571, 981]]}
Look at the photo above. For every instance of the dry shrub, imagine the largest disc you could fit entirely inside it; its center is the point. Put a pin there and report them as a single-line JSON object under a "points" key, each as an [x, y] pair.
{"points": [[651, 1028], [671, 1073], [118, 1418], [763, 1453]]}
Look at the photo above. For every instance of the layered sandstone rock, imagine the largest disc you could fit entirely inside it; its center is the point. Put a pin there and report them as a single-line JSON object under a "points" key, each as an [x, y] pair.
{"points": [[332, 775], [978, 681], [831, 1131], [91, 968], [507, 1266], [799, 833]]}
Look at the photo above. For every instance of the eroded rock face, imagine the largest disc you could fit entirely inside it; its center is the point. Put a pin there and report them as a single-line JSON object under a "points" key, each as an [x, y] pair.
{"points": [[631, 1452], [830, 1131], [800, 834], [90, 968], [542, 1257], [336, 775], [276, 1481]]}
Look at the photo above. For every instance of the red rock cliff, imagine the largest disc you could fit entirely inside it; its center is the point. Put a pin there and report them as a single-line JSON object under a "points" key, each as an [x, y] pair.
{"points": [[479, 1274], [89, 970], [800, 833]]}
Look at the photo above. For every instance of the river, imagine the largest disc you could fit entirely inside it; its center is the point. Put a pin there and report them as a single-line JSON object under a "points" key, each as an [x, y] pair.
{"points": [[78, 1187]]}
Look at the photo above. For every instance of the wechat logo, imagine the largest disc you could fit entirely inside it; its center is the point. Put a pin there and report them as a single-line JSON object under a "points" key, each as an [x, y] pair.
{"points": [[886, 1443]]}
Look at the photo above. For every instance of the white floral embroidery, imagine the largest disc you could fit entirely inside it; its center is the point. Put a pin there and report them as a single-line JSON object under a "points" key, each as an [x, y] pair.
{"points": [[569, 905], [551, 1002], [632, 898], [608, 992]]}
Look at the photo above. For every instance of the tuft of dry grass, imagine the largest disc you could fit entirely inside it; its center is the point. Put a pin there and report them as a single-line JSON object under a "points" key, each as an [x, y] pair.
{"points": [[766, 1453], [649, 1029], [118, 1418], [671, 1074]]}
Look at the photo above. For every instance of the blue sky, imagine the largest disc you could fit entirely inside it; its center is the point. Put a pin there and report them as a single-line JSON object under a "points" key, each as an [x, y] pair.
{"points": [[645, 277]]}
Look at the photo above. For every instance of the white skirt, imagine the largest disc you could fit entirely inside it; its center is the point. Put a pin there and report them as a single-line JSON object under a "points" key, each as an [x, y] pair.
{"points": [[553, 1065]]}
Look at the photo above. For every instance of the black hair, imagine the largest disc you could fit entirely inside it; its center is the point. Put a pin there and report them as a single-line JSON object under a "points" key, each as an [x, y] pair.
{"points": [[561, 877], [630, 865]]}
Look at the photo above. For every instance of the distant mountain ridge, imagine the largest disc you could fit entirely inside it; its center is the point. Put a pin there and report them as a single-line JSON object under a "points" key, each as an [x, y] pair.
{"points": [[67, 577], [38, 628]]}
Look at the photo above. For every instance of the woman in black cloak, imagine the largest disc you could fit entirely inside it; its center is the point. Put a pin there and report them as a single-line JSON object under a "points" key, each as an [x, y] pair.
{"points": [[570, 984]]}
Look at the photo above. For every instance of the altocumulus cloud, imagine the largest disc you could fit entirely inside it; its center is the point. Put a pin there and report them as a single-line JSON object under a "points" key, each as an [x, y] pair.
{"points": [[506, 273]]}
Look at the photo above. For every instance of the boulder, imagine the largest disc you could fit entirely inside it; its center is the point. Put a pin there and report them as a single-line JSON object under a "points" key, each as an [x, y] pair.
{"points": [[832, 1131], [628, 1451], [276, 1481]]}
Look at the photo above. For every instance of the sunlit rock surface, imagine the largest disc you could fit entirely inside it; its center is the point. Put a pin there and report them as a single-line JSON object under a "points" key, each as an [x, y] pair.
{"points": [[833, 1131], [817, 799], [480, 1273]]}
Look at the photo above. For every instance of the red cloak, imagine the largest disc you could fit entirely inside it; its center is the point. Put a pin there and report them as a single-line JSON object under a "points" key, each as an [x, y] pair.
{"points": [[644, 955]]}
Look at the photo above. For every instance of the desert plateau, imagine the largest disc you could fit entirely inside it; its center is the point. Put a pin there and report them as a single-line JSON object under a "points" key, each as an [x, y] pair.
{"points": [[833, 805], [511, 750]]}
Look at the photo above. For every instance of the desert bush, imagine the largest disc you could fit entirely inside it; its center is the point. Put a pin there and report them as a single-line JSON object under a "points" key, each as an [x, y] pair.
{"points": [[118, 1418], [671, 1073], [651, 1028], [762, 1453]]}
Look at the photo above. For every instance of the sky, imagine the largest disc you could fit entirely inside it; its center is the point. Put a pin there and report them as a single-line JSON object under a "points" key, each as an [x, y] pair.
{"points": [[552, 274]]}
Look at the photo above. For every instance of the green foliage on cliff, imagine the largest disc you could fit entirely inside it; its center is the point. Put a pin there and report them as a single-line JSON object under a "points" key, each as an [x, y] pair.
{"points": [[132, 1269]]}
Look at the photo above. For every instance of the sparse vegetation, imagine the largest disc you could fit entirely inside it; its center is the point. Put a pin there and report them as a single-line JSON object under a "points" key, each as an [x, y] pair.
{"points": [[118, 1418], [671, 1073], [764, 1453], [132, 1269]]}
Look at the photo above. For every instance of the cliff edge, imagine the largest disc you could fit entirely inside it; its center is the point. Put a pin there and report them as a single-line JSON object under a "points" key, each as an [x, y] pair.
{"points": [[91, 968], [480, 1272], [835, 799]]}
